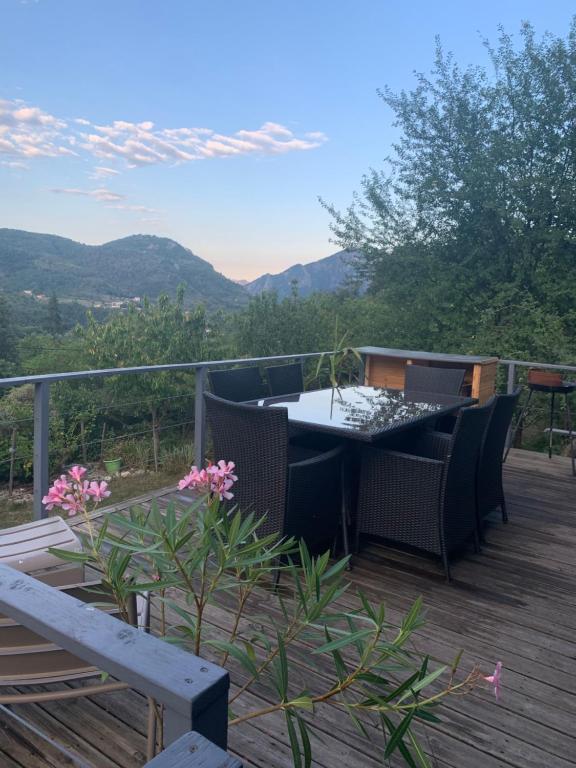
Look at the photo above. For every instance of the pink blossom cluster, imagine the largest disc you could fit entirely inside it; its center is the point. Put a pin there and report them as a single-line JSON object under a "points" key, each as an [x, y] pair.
{"points": [[215, 479], [72, 493]]}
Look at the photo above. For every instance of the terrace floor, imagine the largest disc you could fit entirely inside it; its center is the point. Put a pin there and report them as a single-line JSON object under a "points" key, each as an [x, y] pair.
{"points": [[515, 602]]}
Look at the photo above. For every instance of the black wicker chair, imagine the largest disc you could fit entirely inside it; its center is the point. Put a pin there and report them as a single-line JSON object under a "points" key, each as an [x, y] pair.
{"points": [[490, 490], [285, 379], [425, 499], [298, 489], [442, 381], [238, 384]]}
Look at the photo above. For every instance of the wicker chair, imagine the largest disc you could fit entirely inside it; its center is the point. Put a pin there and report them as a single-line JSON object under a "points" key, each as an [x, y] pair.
{"points": [[425, 499], [442, 381], [285, 379], [490, 490], [298, 489], [238, 384]]}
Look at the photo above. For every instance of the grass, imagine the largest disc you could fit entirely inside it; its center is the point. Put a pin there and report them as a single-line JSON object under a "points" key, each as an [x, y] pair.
{"points": [[19, 509]]}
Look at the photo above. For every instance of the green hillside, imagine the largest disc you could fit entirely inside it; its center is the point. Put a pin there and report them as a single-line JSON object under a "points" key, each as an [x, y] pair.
{"points": [[139, 265]]}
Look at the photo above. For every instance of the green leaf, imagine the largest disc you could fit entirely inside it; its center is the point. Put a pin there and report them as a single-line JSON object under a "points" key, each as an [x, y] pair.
{"points": [[72, 557], [342, 642], [398, 734], [305, 739], [294, 745]]}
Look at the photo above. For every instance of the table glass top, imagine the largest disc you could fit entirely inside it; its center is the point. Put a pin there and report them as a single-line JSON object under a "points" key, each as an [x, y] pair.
{"points": [[364, 411]]}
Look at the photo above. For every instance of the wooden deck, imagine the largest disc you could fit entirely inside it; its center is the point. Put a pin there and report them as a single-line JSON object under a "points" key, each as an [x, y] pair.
{"points": [[515, 602]]}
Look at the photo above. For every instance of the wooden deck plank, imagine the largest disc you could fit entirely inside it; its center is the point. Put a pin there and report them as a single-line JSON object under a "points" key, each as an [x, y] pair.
{"points": [[515, 602]]}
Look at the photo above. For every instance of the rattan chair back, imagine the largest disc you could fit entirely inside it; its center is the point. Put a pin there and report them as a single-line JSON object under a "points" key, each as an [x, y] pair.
{"points": [[238, 384], [256, 440], [285, 379], [490, 487], [441, 381], [459, 486]]}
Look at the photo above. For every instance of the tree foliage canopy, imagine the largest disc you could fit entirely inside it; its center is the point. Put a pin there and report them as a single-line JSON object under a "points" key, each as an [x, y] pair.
{"points": [[469, 233]]}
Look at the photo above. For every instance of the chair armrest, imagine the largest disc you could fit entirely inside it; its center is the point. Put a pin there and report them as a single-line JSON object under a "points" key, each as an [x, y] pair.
{"points": [[317, 458], [435, 445]]}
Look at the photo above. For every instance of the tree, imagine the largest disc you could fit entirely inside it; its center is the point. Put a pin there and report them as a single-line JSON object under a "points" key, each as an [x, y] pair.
{"points": [[157, 333], [7, 338], [469, 235], [54, 320]]}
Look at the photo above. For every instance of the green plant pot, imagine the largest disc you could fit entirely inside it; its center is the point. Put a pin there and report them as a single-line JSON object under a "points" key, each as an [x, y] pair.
{"points": [[113, 466]]}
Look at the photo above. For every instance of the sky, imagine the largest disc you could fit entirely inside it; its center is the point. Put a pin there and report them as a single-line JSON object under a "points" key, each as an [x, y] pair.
{"points": [[218, 124]]}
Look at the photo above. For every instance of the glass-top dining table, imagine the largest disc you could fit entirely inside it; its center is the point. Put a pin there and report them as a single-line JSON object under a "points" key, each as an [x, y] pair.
{"points": [[363, 413]]}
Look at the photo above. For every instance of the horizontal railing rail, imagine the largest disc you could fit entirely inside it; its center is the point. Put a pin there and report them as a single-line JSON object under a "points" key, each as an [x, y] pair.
{"points": [[42, 383], [193, 692]]}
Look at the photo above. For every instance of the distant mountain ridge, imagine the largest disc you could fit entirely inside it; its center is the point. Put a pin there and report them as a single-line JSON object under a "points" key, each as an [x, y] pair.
{"points": [[139, 265], [324, 276]]}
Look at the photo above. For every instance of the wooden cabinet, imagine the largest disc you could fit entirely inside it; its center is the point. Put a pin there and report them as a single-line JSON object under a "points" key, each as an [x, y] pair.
{"points": [[385, 368]]}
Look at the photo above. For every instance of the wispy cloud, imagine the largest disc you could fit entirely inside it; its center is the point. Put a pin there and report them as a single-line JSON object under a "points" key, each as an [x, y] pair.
{"points": [[101, 172], [143, 144], [29, 132], [102, 195]]}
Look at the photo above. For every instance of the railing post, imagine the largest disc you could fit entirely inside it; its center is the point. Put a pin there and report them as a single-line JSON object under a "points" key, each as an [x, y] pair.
{"points": [[200, 417], [362, 370], [41, 434], [511, 378], [510, 385]]}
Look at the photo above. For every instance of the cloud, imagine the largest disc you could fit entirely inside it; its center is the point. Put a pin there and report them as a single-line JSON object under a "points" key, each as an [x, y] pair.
{"points": [[102, 195], [101, 172], [134, 208], [30, 132], [139, 144]]}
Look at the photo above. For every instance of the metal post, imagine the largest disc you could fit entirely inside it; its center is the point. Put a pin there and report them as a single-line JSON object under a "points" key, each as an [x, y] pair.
{"points": [[510, 384], [362, 370], [511, 378], [41, 434], [200, 417]]}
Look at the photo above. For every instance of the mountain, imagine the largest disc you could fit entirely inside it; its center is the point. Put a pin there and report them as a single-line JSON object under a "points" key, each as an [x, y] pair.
{"points": [[326, 275], [135, 266]]}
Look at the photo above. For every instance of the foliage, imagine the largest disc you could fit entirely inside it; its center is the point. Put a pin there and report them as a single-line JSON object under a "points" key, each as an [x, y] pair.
{"points": [[54, 324], [214, 557], [468, 237], [7, 340]]}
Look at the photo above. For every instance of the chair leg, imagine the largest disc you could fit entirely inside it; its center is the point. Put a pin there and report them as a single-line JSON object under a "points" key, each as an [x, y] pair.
{"points": [[570, 433], [504, 511], [550, 432], [519, 423]]}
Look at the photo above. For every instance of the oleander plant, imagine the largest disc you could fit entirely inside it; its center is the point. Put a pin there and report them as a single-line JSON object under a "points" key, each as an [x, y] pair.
{"points": [[208, 559]]}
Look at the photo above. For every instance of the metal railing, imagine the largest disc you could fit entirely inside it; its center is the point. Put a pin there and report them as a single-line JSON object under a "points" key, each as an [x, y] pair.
{"points": [[512, 365], [193, 692], [43, 382]]}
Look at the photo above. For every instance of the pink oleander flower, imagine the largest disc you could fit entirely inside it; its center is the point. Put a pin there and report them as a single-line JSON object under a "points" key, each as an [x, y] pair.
{"points": [[495, 679], [216, 479], [76, 473], [72, 493], [98, 490]]}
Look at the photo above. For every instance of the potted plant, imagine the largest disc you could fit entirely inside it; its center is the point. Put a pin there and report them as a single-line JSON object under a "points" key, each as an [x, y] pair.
{"points": [[113, 466]]}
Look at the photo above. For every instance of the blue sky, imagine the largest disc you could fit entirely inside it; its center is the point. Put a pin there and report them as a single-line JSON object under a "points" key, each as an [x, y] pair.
{"points": [[216, 124]]}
